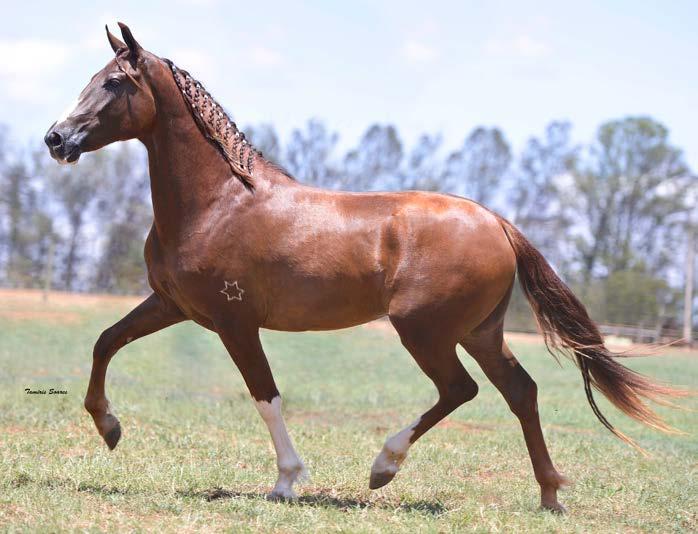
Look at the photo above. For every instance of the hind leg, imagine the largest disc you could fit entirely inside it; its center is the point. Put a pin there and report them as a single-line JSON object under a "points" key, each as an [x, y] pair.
{"points": [[520, 392], [437, 358]]}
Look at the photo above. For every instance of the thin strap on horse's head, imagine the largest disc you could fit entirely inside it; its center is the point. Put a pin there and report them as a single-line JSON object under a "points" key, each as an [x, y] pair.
{"points": [[127, 73], [216, 125]]}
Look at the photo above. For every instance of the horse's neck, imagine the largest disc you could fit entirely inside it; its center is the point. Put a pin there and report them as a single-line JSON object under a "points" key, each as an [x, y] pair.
{"points": [[187, 173]]}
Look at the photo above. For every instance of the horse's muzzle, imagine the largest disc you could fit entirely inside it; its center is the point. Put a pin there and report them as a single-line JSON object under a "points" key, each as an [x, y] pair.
{"points": [[61, 145]]}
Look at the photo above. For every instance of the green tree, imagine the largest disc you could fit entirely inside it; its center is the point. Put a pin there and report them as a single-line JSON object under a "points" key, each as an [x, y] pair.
{"points": [[540, 177], [125, 215], [17, 195], [26, 229], [423, 169], [308, 154], [626, 197], [75, 191], [636, 297], [375, 161], [476, 169], [265, 139]]}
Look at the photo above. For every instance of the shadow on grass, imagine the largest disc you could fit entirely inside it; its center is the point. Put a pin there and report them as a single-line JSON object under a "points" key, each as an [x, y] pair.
{"points": [[99, 489], [322, 499], [318, 499], [23, 479]]}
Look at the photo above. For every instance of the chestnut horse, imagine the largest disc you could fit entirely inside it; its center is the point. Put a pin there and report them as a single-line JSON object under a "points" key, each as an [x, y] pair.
{"points": [[238, 245]]}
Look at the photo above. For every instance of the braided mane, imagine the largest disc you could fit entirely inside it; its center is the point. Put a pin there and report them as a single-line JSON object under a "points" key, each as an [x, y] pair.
{"points": [[217, 126]]}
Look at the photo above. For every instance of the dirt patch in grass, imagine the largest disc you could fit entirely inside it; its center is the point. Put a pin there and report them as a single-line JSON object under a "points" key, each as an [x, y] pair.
{"points": [[77, 451], [619, 345], [21, 298], [524, 337], [330, 418], [465, 427], [571, 429], [13, 429], [381, 325], [14, 513], [41, 315]]}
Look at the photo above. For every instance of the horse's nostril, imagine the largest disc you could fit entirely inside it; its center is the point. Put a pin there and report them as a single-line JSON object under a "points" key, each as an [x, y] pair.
{"points": [[54, 139]]}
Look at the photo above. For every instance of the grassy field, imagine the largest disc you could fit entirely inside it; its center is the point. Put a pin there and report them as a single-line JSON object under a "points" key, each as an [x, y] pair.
{"points": [[196, 457]]}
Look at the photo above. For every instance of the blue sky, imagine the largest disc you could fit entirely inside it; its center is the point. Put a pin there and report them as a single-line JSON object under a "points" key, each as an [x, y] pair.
{"points": [[424, 66]]}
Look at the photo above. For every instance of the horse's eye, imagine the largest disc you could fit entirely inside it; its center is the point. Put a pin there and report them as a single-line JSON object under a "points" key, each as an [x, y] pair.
{"points": [[112, 83]]}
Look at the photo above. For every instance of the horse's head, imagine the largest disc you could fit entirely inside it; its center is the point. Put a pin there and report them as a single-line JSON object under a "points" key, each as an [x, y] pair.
{"points": [[116, 105]]}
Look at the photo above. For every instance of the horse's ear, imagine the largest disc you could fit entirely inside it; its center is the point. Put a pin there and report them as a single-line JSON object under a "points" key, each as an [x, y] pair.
{"points": [[132, 44], [116, 43]]}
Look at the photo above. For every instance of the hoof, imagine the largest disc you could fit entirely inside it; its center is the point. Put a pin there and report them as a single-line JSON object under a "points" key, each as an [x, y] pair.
{"points": [[282, 496], [112, 437], [554, 507], [378, 480]]}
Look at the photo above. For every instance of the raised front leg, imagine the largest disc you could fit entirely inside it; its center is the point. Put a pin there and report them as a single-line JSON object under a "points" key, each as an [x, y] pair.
{"points": [[245, 348], [149, 316]]}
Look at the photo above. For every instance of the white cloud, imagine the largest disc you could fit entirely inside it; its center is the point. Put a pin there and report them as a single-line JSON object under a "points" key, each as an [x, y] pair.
{"points": [[265, 57], [200, 64], [523, 46], [418, 52], [30, 57], [23, 89], [97, 37], [206, 68], [199, 3], [25, 64]]}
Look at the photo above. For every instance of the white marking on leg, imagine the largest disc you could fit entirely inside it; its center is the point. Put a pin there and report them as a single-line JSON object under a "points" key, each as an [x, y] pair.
{"points": [[394, 451], [289, 464]]}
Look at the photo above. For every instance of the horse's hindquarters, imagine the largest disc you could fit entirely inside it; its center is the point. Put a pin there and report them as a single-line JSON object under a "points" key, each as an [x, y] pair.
{"points": [[454, 267]]}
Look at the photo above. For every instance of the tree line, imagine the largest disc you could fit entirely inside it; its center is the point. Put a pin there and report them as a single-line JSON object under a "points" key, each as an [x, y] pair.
{"points": [[611, 215]]}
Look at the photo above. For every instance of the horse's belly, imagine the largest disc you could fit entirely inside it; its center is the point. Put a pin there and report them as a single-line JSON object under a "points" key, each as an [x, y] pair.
{"points": [[319, 323], [314, 305]]}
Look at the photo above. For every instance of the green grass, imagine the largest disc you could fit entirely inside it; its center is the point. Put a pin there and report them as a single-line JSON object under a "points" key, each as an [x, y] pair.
{"points": [[195, 456]]}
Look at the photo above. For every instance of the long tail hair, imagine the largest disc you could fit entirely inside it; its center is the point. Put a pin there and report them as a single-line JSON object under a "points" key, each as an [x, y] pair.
{"points": [[567, 328]]}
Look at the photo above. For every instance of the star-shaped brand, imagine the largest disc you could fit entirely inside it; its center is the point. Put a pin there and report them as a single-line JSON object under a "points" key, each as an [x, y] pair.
{"points": [[233, 291]]}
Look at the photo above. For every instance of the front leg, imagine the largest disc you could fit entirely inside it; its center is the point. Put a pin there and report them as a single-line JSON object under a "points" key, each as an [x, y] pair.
{"points": [[245, 348], [290, 466], [149, 316]]}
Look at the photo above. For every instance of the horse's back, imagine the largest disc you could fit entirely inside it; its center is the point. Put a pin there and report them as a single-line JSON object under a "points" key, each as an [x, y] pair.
{"points": [[443, 243]]}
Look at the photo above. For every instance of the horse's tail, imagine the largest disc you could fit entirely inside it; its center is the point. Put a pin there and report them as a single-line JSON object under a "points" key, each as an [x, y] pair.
{"points": [[567, 328]]}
